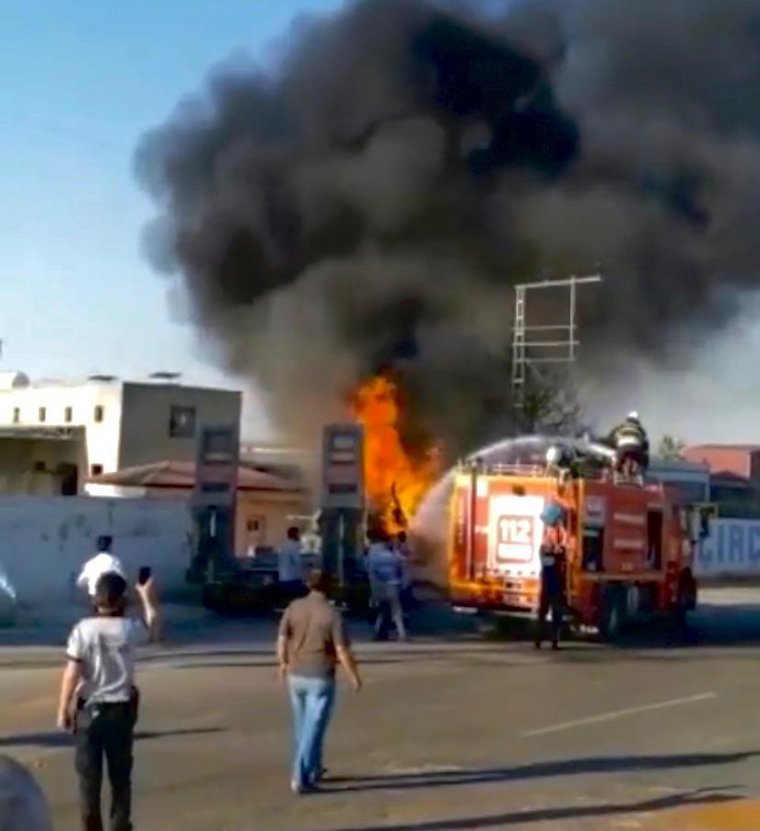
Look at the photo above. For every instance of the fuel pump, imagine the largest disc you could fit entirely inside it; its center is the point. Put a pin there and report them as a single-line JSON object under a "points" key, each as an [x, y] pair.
{"points": [[213, 504], [343, 511]]}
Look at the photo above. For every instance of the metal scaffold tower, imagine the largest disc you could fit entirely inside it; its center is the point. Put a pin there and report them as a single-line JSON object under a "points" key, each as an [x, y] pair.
{"points": [[534, 345]]}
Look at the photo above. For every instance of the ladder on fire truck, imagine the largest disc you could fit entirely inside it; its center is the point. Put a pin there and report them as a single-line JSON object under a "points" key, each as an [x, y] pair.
{"points": [[546, 344]]}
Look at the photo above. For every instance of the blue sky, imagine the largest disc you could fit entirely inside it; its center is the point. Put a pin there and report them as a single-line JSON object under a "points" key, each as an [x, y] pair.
{"points": [[82, 82]]}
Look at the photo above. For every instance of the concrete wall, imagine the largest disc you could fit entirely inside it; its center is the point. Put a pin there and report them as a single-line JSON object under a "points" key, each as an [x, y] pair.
{"points": [[262, 520], [145, 434], [44, 541]]}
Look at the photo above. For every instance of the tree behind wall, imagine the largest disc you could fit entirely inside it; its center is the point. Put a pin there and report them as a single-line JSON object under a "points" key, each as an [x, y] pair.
{"points": [[551, 406], [671, 448]]}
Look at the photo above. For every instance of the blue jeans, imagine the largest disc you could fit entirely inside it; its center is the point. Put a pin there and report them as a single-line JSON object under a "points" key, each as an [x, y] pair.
{"points": [[312, 700]]}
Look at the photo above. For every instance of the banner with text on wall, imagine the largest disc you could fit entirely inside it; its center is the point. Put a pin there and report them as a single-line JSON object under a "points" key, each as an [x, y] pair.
{"points": [[732, 549]]}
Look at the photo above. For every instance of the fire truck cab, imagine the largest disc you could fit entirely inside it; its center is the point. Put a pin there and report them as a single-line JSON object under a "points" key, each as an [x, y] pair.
{"points": [[629, 551]]}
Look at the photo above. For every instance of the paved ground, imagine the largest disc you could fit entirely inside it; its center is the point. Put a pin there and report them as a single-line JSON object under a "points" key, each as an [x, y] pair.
{"points": [[448, 735]]}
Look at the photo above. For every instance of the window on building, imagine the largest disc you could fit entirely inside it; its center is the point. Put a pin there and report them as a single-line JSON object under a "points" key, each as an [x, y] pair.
{"points": [[68, 415], [43, 414], [16, 415], [96, 470], [99, 413], [182, 422]]}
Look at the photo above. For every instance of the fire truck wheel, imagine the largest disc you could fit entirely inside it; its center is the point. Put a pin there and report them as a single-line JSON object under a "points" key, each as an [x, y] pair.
{"points": [[613, 613]]}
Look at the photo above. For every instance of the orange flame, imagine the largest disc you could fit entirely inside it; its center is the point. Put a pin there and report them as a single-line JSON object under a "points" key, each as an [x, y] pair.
{"points": [[395, 483]]}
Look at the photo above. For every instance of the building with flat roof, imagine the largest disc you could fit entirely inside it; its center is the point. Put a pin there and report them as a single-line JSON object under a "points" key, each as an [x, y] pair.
{"points": [[54, 436], [692, 479], [734, 475]]}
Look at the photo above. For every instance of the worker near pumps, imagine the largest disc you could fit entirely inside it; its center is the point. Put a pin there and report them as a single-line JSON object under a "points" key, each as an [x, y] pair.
{"points": [[386, 574], [290, 566], [99, 702], [631, 442], [553, 559]]}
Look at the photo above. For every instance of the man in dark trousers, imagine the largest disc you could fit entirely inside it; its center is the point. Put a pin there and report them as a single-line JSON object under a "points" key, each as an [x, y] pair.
{"points": [[311, 643], [98, 702], [553, 552]]}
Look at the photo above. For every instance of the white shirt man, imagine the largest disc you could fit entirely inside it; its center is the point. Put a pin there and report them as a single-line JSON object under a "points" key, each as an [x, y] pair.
{"points": [[96, 567]]}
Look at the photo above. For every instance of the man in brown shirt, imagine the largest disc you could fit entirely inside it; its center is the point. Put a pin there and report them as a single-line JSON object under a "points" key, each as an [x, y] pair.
{"points": [[312, 642]]}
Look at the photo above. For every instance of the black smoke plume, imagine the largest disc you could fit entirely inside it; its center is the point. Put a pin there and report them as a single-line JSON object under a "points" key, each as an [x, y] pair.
{"points": [[372, 199]]}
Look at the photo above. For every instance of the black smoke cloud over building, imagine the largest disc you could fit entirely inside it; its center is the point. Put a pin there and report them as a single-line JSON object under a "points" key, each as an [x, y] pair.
{"points": [[373, 199]]}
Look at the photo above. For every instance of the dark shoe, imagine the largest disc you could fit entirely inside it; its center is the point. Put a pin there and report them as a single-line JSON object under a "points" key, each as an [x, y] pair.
{"points": [[537, 645], [555, 647]]}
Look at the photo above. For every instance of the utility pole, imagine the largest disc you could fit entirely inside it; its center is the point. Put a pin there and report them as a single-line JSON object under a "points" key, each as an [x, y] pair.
{"points": [[551, 344]]}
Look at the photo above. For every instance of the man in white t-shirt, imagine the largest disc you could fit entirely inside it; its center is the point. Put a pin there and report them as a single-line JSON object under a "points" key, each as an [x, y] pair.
{"points": [[102, 563], [99, 701]]}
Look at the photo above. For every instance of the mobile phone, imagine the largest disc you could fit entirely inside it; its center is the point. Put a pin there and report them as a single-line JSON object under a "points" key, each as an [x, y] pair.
{"points": [[144, 575]]}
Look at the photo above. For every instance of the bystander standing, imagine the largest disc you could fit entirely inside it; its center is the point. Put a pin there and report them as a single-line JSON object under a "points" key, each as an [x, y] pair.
{"points": [[312, 641], [98, 702]]}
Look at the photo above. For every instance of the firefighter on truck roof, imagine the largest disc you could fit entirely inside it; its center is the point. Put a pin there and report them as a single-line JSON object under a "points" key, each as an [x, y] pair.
{"points": [[631, 442]]}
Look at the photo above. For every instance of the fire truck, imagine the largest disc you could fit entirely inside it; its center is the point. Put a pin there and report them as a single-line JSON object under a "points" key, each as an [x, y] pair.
{"points": [[630, 544]]}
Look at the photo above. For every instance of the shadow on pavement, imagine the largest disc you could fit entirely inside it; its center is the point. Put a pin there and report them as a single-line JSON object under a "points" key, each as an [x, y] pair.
{"points": [[58, 739], [703, 796], [565, 767]]}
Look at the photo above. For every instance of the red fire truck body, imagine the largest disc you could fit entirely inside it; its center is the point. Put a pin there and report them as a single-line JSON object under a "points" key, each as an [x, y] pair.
{"points": [[630, 547]]}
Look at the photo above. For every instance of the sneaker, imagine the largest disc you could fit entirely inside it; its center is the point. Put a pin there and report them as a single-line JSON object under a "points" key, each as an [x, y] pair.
{"points": [[300, 790]]}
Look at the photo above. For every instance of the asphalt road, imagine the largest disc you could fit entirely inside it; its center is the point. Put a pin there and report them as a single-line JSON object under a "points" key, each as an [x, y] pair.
{"points": [[448, 735]]}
